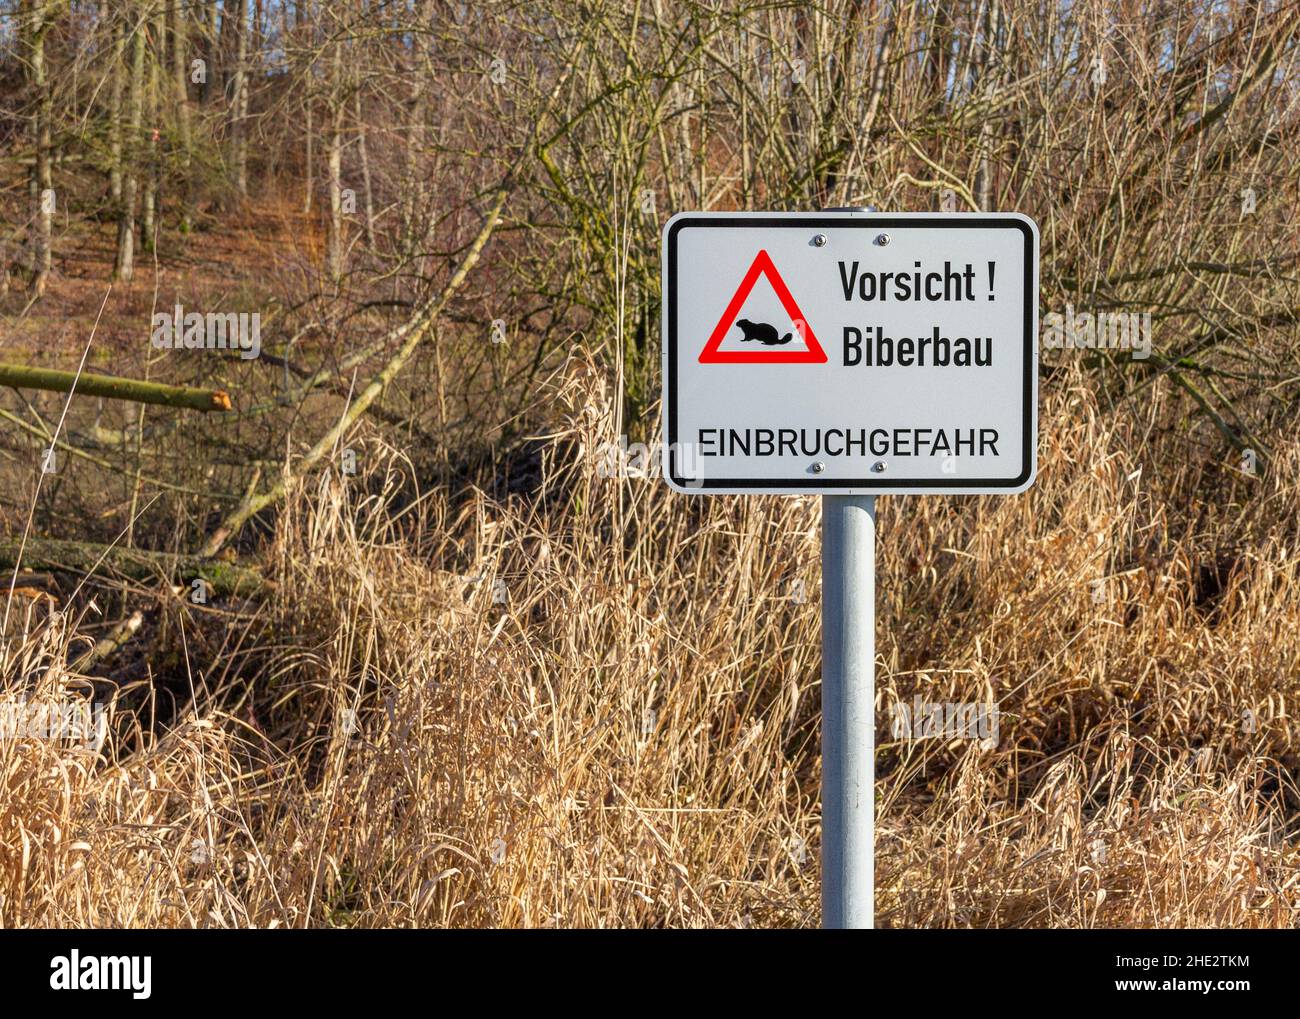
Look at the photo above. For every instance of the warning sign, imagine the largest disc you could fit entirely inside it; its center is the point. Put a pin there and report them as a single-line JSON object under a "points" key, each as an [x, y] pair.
{"points": [[758, 329], [850, 352]]}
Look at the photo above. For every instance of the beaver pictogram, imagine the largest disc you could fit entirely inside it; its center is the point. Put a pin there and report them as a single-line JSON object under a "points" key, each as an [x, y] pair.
{"points": [[762, 332]]}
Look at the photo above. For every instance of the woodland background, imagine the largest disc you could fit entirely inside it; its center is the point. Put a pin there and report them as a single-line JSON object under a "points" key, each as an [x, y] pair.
{"points": [[447, 667]]}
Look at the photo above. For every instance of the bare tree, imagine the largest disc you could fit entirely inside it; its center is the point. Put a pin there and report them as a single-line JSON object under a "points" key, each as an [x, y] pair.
{"points": [[117, 21], [334, 149], [239, 98], [180, 48], [124, 263], [43, 179]]}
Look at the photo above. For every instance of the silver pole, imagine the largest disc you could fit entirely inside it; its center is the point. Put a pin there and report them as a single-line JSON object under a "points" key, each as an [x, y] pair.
{"points": [[848, 710]]}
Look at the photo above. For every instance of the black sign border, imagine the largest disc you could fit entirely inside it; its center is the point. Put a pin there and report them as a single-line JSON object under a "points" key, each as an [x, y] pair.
{"points": [[869, 221]]}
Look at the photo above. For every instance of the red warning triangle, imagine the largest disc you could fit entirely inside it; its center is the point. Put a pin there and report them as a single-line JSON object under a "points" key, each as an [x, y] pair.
{"points": [[711, 354]]}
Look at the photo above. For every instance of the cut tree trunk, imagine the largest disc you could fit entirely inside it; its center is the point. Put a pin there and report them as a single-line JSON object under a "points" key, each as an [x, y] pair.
{"points": [[113, 387]]}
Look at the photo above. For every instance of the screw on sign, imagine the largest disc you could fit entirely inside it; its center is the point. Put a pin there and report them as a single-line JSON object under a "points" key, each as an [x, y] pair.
{"points": [[849, 354]]}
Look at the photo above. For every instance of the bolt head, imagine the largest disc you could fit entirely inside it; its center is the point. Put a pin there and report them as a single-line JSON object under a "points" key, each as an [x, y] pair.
{"points": [[882, 239], [818, 467], [819, 241], [880, 466]]}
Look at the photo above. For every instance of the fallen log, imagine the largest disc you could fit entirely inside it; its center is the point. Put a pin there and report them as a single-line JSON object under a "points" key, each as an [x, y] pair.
{"points": [[114, 387], [112, 644], [222, 577]]}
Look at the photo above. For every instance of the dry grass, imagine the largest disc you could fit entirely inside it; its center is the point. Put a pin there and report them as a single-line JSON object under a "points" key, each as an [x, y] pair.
{"points": [[630, 739]]}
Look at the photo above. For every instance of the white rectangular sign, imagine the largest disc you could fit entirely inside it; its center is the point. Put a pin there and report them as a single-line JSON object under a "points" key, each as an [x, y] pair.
{"points": [[850, 353]]}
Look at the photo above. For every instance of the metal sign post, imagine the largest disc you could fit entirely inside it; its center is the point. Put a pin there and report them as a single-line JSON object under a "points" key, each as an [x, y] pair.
{"points": [[848, 710], [849, 354], [849, 707]]}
